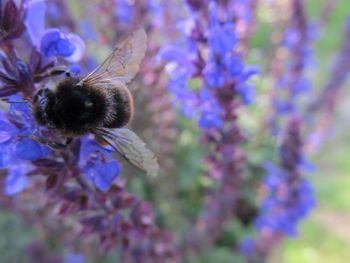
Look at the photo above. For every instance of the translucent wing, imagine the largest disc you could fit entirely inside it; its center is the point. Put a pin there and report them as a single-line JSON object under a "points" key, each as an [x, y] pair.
{"points": [[132, 148], [121, 66]]}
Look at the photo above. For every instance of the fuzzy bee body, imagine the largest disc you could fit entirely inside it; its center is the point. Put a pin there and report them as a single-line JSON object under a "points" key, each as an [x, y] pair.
{"points": [[99, 103], [76, 109]]}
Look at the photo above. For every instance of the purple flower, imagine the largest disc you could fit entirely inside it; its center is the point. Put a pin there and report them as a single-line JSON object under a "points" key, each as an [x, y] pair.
{"points": [[221, 37], [290, 196], [51, 42], [214, 74], [180, 70], [197, 4], [28, 149], [54, 43], [210, 110], [246, 92], [186, 99], [16, 133], [103, 174], [87, 31], [14, 75], [95, 166], [234, 65], [246, 246], [15, 181], [73, 258], [123, 11], [35, 20], [17, 146], [11, 20], [74, 69]]}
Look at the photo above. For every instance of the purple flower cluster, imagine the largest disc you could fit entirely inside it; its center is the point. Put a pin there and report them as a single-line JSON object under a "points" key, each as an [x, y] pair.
{"points": [[82, 180], [289, 196], [17, 147], [18, 76], [290, 78], [208, 52], [286, 202], [208, 79]]}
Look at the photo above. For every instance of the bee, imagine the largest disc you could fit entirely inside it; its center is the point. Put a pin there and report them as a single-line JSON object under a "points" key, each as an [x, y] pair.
{"points": [[100, 104]]}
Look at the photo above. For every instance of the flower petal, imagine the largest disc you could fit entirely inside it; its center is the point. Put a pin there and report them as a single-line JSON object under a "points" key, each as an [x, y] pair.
{"points": [[28, 149], [246, 92], [79, 48], [35, 20], [105, 174], [6, 158], [6, 131], [15, 182], [54, 43]]}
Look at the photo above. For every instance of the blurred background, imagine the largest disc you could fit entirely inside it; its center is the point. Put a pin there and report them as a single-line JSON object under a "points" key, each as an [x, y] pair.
{"points": [[186, 183]]}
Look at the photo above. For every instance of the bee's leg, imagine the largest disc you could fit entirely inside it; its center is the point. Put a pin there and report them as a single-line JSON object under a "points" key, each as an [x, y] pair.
{"points": [[68, 141], [55, 72], [55, 145], [58, 145]]}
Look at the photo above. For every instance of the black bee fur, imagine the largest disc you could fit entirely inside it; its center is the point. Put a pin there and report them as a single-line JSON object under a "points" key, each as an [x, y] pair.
{"points": [[76, 110]]}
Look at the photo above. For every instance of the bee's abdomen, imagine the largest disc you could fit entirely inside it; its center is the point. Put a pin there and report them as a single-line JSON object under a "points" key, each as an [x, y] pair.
{"points": [[121, 108]]}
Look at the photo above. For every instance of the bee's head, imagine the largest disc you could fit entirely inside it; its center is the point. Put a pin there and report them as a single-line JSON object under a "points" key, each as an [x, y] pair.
{"points": [[41, 102]]}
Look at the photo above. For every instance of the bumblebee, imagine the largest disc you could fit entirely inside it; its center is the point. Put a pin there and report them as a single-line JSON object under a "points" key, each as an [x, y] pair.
{"points": [[99, 103]]}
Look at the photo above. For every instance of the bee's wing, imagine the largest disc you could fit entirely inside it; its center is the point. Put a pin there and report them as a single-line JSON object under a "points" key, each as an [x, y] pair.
{"points": [[132, 148], [121, 66]]}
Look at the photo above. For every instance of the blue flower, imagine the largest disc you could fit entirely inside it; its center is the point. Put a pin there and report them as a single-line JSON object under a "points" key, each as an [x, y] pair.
{"points": [[124, 11], [15, 140], [285, 204], [87, 30], [54, 43], [210, 110], [17, 147], [104, 174], [93, 162], [234, 65], [246, 246], [35, 20], [214, 74], [28, 149], [186, 99], [301, 85], [221, 37], [246, 92], [248, 72], [74, 69], [15, 181], [51, 42], [73, 258], [180, 69]]}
